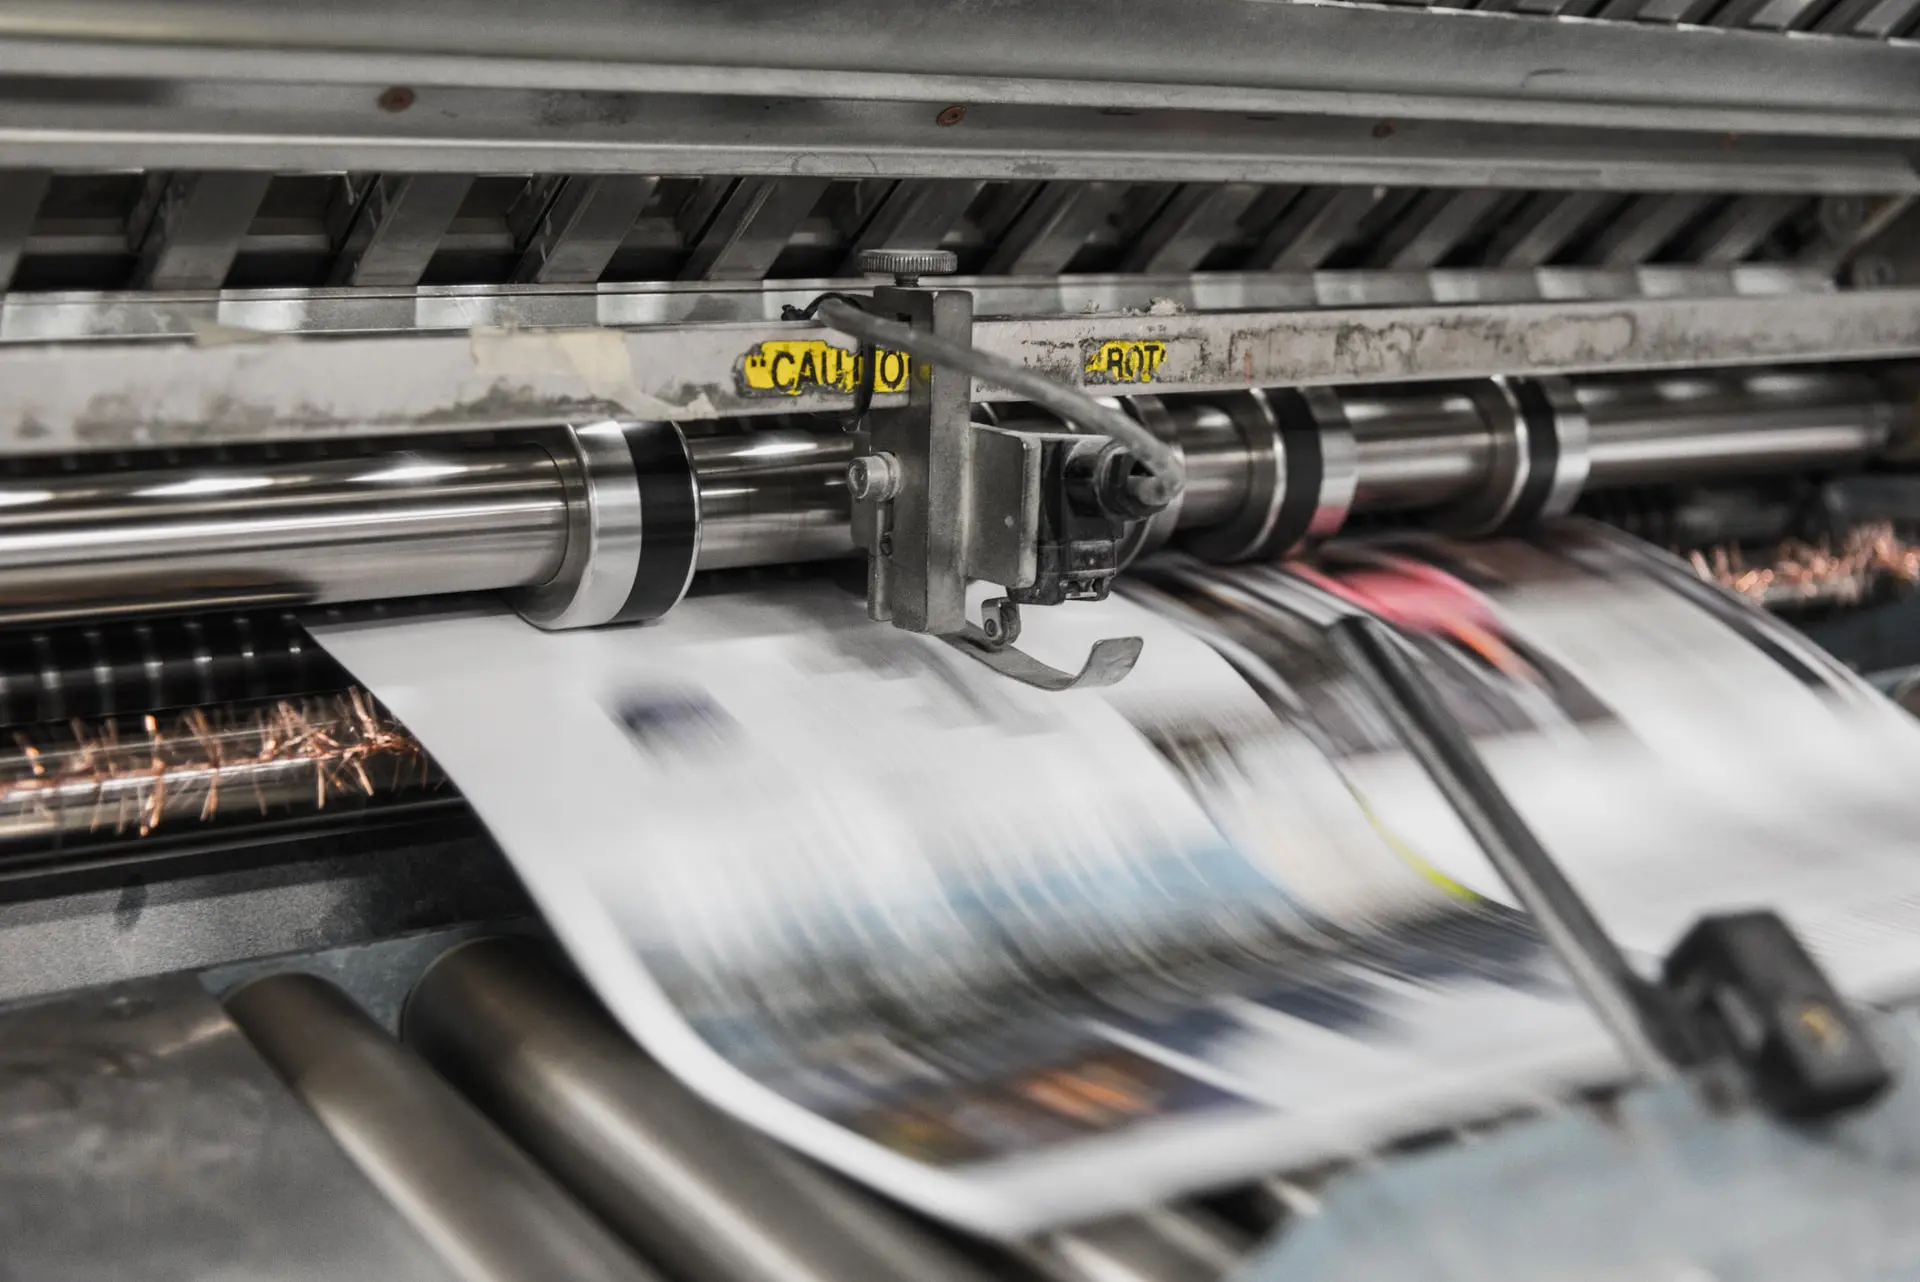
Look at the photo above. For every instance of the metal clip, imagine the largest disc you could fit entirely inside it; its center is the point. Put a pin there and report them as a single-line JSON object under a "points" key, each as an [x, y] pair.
{"points": [[991, 641]]}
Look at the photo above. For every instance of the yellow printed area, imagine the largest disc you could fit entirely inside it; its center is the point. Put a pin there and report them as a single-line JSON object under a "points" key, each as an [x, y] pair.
{"points": [[790, 367], [1411, 857], [1125, 361]]}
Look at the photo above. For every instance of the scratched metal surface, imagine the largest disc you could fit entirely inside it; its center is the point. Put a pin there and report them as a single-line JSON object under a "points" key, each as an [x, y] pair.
{"points": [[142, 1136]]}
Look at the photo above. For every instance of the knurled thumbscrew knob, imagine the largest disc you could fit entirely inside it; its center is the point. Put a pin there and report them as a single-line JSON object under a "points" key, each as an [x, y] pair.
{"points": [[907, 266]]}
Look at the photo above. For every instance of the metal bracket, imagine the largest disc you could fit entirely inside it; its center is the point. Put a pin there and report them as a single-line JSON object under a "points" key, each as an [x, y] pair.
{"points": [[939, 501]]}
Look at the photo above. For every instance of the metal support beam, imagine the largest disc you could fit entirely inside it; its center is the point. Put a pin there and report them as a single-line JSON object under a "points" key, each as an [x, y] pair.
{"points": [[1765, 15], [397, 227], [752, 226], [581, 230], [917, 214], [196, 228], [506, 130], [1434, 227], [1188, 227], [1052, 228], [1637, 232], [21, 192], [45, 318], [1738, 230], [1883, 18], [93, 396], [1542, 228], [1401, 63], [1316, 224]]}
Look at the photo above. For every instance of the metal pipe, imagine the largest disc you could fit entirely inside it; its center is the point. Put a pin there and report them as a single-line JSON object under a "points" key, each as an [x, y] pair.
{"points": [[338, 529], [692, 1188], [480, 1201]]}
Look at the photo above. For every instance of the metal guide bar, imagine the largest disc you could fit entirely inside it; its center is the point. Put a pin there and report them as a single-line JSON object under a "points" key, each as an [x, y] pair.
{"points": [[41, 318], [118, 395], [1203, 54], [300, 126]]}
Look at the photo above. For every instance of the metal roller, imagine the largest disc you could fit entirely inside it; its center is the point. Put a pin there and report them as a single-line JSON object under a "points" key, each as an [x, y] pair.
{"points": [[608, 521], [280, 533], [693, 1189], [152, 665], [482, 1202]]}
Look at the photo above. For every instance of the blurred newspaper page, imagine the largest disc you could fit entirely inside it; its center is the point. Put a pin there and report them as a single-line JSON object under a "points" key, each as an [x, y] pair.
{"points": [[1678, 750], [1014, 958]]}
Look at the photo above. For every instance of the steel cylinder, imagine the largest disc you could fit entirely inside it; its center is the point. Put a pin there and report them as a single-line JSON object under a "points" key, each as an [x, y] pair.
{"points": [[695, 1190], [416, 523], [490, 1211], [768, 488], [1648, 431], [1418, 447], [339, 529]]}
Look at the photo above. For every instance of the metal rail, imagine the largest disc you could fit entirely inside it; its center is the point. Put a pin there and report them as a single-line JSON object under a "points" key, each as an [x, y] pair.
{"points": [[1212, 55], [410, 523], [93, 396]]}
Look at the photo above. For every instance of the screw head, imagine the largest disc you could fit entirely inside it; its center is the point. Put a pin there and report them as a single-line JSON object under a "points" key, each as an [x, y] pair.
{"points": [[398, 98], [951, 116]]}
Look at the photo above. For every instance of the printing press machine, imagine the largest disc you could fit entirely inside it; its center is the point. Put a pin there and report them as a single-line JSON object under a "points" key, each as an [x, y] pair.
{"points": [[595, 302]]}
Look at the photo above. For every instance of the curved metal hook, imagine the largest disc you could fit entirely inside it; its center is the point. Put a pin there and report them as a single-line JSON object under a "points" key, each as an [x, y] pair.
{"points": [[1107, 663]]}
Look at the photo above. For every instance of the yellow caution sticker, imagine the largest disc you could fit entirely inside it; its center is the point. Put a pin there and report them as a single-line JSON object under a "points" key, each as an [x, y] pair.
{"points": [[1124, 361], [790, 367]]}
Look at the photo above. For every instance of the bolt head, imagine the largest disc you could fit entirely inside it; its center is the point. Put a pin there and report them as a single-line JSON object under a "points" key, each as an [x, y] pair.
{"points": [[873, 477]]}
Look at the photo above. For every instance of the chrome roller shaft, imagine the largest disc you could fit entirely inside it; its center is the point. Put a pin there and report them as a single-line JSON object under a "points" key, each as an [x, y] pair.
{"points": [[606, 522]]}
